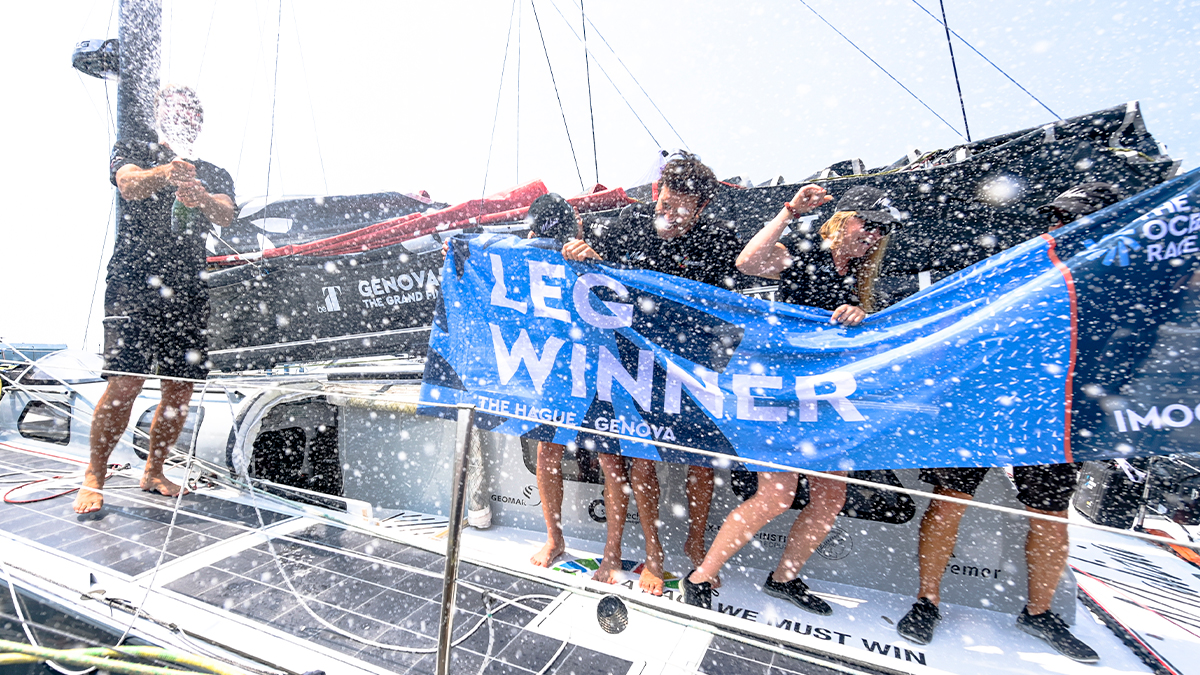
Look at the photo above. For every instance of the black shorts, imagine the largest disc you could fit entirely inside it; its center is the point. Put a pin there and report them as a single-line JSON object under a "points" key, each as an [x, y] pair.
{"points": [[965, 480], [168, 339], [1046, 487]]}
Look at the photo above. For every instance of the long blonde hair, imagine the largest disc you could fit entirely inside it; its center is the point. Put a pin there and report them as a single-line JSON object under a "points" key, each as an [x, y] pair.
{"points": [[866, 268]]}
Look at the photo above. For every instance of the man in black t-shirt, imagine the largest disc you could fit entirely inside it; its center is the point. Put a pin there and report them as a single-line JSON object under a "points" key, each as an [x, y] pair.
{"points": [[156, 302], [701, 249], [674, 236]]}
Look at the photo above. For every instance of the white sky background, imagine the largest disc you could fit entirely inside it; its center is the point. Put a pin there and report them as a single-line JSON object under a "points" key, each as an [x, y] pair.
{"points": [[376, 96]]}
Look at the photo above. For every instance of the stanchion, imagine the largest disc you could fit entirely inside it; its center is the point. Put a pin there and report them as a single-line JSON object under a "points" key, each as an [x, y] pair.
{"points": [[466, 423]]}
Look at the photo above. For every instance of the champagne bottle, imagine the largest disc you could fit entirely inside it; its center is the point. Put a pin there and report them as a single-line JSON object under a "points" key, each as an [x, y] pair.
{"points": [[183, 217]]}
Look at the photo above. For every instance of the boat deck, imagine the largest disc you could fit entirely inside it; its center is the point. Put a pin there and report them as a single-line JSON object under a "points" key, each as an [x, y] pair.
{"points": [[248, 577], [224, 579], [126, 537]]}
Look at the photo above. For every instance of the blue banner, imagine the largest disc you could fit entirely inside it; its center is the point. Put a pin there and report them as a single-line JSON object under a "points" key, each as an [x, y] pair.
{"points": [[995, 365]]}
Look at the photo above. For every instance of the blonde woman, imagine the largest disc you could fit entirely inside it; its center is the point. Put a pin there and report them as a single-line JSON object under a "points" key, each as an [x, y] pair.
{"points": [[833, 268]]}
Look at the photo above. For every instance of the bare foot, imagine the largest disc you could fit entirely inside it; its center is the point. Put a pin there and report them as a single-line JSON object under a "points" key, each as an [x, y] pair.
{"points": [[548, 554], [609, 566], [90, 500], [651, 580], [159, 484]]}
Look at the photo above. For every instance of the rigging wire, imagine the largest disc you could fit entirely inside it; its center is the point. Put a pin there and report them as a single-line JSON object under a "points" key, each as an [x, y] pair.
{"points": [[587, 69], [635, 81], [86, 20], [207, 36], [274, 99], [19, 618], [954, 65], [533, 5], [110, 223], [112, 9], [614, 84], [487, 166], [92, 99], [877, 64], [170, 33], [989, 61], [311, 109], [6, 480], [253, 91], [112, 205], [108, 111]]}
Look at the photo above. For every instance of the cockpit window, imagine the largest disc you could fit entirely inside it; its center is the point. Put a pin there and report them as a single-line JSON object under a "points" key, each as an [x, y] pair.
{"points": [[49, 422]]}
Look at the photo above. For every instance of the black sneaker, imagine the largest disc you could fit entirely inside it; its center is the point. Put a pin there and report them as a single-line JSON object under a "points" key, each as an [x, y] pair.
{"points": [[696, 594], [1051, 628], [796, 592], [917, 626]]}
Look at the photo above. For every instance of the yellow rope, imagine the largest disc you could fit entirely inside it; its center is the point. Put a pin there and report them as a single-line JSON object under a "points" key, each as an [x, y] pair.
{"points": [[103, 658]]}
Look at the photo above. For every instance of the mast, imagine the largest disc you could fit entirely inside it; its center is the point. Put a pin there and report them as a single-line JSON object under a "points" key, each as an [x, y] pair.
{"points": [[139, 39], [139, 34]]}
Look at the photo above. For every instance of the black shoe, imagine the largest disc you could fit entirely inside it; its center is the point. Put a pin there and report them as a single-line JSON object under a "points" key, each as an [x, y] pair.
{"points": [[796, 592], [917, 626], [1051, 628], [696, 594]]}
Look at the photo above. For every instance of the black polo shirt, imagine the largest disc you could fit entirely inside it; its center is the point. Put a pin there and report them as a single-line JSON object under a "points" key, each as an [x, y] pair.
{"points": [[706, 253], [813, 280], [153, 253]]}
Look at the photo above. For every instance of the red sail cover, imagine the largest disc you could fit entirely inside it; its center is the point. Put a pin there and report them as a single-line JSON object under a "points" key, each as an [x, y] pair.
{"points": [[508, 206]]}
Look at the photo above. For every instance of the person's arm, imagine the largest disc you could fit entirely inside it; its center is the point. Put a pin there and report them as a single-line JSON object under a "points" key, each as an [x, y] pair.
{"points": [[218, 208], [136, 183], [763, 256]]}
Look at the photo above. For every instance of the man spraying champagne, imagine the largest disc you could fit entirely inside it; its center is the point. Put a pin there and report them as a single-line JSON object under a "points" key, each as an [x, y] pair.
{"points": [[155, 301]]}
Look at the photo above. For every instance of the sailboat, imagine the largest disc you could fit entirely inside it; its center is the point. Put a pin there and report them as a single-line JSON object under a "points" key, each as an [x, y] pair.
{"points": [[324, 530]]}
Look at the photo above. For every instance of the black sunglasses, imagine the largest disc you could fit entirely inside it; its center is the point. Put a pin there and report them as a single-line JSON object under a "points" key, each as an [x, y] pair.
{"points": [[881, 229]]}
